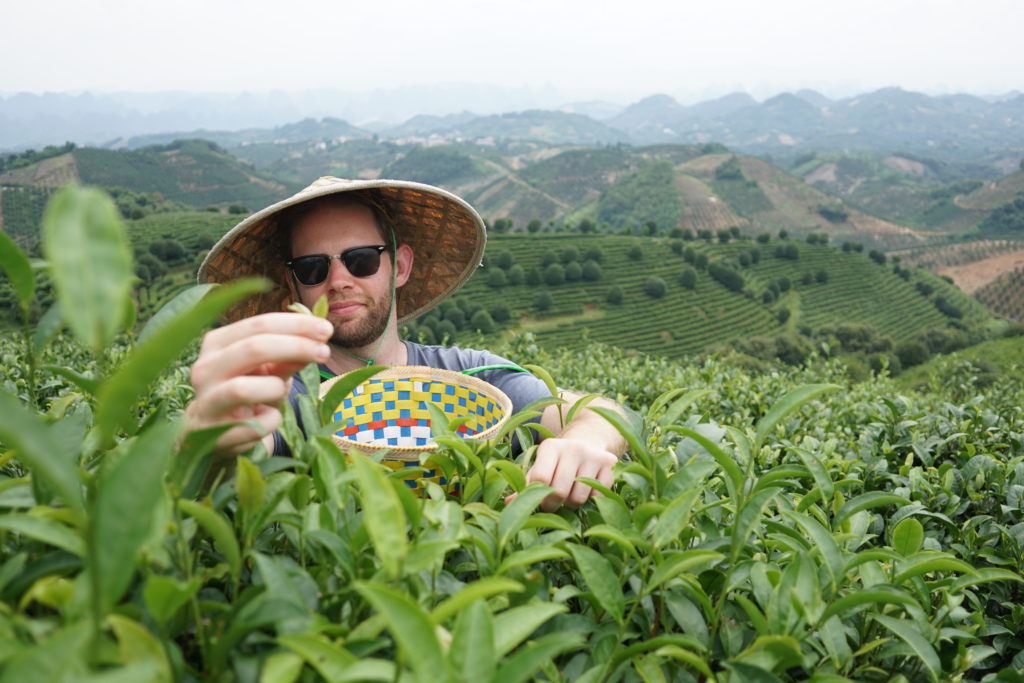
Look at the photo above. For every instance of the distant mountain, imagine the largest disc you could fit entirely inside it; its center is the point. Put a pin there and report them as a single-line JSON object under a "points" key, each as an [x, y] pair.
{"points": [[301, 131], [550, 127], [425, 124]]}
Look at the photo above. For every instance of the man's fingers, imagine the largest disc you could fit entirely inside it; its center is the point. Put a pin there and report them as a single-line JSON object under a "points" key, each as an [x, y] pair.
{"points": [[223, 400], [242, 437], [261, 354], [268, 323]]}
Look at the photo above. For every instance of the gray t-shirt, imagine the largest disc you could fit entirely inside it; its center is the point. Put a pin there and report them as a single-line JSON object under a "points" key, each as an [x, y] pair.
{"points": [[522, 388]]}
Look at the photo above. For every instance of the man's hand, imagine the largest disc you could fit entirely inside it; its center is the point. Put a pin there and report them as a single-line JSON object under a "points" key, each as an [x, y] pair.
{"points": [[589, 446], [560, 461], [244, 371]]}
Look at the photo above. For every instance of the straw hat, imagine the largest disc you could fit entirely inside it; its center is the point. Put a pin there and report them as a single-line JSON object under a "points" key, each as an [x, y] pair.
{"points": [[446, 234]]}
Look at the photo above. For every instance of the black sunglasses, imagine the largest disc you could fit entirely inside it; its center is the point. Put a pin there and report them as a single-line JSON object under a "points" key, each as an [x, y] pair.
{"points": [[312, 270]]}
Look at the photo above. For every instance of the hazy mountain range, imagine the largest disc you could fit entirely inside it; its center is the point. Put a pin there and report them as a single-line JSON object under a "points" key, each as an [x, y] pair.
{"points": [[957, 127]]}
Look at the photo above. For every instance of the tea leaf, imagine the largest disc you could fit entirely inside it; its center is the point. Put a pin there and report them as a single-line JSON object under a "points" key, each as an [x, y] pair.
{"points": [[164, 596], [674, 518], [119, 394], [57, 658], [908, 633], [251, 486], [789, 403], [866, 501], [412, 629], [330, 661], [128, 496], [219, 529], [907, 536], [522, 665], [36, 446], [600, 579], [281, 667], [321, 307], [480, 589], [135, 644], [531, 556], [673, 412], [382, 514], [734, 478], [182, 303], [514, 516], [91, 263], [471, 653], [514, 625], [19, 271], [676, 563], [926, 562], [45, 530], [341, 388], [866, 597]]}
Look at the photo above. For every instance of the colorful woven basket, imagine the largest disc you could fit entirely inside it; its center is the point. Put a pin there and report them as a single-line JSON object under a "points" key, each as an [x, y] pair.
{"points": [[388, 412]]}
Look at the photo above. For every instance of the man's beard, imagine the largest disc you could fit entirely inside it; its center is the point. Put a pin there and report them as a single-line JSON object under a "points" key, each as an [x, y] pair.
{"points": [[362, 333]]}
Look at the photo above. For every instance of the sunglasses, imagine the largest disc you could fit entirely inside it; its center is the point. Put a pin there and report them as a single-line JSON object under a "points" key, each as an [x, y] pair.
{"points": [[312, 270]]}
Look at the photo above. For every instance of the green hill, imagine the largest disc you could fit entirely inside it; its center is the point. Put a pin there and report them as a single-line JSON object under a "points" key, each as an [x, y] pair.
{"points": [[685, 321]]}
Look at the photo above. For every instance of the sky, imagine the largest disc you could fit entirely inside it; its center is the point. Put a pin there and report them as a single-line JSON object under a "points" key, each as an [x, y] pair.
{"points": [[587, 49]]}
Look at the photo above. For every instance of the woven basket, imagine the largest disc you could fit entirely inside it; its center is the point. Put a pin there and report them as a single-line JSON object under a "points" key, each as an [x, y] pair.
{"points": [[388, 412]]}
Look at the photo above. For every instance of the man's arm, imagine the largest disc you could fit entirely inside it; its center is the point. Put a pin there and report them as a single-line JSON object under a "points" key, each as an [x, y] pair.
{"points": [[588, 446]]}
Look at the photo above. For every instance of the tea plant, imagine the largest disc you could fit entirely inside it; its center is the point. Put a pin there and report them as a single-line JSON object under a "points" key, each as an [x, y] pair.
{"points": [[785, 526]]}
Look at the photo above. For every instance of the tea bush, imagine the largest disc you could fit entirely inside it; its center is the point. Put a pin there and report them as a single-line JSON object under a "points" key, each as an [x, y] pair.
{"points": [[765, 527]]}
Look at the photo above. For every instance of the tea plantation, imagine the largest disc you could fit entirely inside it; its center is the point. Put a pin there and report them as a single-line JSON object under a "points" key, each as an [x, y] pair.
{"points": [[779, 526]]}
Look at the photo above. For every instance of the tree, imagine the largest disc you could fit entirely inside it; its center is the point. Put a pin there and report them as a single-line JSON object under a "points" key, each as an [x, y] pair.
{"points": [[636, 253], [533, 226], [496, 279], [655, 287], [504, 259], [688, 277], [591, 271], [238, 209], [532, 277], [877, 256], [614, 295], [594, 253], [701, 261], [783, 283], [783, 234], [586, 226], [573, 271], [500, 312], [570, 254], [821, 276], [482, 322], [554, 275], [516, 275], [544, 300], [764, 238], [689, 255], [911, 352], [782, 316], [548, 257], [456, 317], [755, 255], [732, 280], [724, 236], [676, 246]]}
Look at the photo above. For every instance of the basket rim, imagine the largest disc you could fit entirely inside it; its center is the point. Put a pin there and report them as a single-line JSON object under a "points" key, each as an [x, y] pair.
{"points": [[423, 372]]}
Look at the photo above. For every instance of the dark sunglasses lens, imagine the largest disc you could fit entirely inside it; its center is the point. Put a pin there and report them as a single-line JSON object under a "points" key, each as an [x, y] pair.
{"points": [[311, 270], [362, 261]]}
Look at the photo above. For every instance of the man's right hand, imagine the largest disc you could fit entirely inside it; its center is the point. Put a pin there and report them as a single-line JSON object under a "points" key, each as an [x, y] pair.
{"points": [[244, 371]]}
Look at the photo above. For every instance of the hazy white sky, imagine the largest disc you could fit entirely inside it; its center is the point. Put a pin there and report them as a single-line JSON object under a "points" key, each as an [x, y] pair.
{"points": [[586, 48]]}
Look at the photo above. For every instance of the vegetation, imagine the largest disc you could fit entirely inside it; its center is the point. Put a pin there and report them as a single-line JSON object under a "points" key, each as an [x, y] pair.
{"points": [[646, 195], [431, 165]]}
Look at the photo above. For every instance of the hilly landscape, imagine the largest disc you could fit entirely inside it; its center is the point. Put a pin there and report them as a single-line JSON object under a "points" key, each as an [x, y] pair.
{"points": [[865, 225]]}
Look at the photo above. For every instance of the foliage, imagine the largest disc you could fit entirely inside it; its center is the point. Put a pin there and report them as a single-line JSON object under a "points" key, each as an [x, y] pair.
{"points": [[764, 527], [648, 194], [655, 287], [1008, 218], [432, 165]]}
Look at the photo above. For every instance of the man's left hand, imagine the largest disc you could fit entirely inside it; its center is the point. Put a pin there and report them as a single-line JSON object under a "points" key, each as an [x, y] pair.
{"points": [[559, 461]]}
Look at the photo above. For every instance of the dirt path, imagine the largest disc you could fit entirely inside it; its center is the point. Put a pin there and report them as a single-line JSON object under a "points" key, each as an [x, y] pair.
{"points": [[973, 276]]}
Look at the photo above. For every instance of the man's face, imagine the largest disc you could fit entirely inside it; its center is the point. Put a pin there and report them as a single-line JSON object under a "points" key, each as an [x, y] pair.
{"points": [[358, 307]]}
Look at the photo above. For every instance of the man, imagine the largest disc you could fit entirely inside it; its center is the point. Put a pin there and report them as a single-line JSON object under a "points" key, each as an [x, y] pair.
{"points": [[382, 252]]}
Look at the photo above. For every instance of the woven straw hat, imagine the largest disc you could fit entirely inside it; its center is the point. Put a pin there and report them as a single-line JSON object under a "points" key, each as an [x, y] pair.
{"points": [[446, 234]]}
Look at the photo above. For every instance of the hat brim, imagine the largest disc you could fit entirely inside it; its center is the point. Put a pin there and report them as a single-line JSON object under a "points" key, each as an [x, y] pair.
{"points": [[446, 234]]}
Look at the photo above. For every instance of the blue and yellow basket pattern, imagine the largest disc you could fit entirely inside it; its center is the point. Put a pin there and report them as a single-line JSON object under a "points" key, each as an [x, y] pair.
{"points": [[389, 412]]}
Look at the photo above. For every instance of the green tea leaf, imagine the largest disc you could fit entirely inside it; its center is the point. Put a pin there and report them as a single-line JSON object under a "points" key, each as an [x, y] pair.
{"points": [[330, 660], [321, 307], [180, 305], [341, 388], [877, 596], [926, 562], [907, 536], [481, 589], [471, 654], [530, 556], [382, 514], [35, 445], [281, 667], [734, 477], [515, 514], [136, 644], [412, 628], [91, 263], [676, 563], [128, 496], [46, 530], [57, 658], [673, 412], [674, 518], [789, 403], [149, 359], [164, 596], [19, 271], [251, 486], [515, 625], [600, 579], [220, 530], [521, 666], [866, 501], [908, 633]]}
